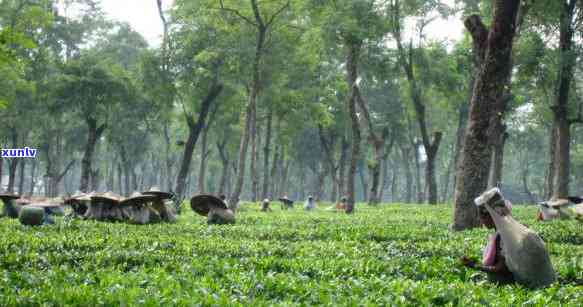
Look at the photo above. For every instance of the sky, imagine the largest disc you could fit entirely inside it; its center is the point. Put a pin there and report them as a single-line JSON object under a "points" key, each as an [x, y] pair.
{"points": [[142, 15]]}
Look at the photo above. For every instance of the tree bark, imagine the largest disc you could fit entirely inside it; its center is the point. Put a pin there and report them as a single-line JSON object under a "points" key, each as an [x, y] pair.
{"points": [[561, 120], [430, 176], [485, 108], [12, 165], [120, 178], [234, 199], [168, 158], [94, 133], [194, 129], [327, 141], [204, 153], [253, 164], [221, 148], [32, 178], [21, 177], [344, 147], [95, 178], [353, 47], [262, 25], [284, 177], [126, 171], [406, 153], [266, 153], [550, 172], [419, 192], [431, 146], [274, 167], [447, 176], [461, 129], [495, 177], [361, 170], [384, 176]]}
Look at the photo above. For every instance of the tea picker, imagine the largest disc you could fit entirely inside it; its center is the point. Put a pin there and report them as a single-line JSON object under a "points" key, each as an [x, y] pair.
{"points": [[214, 208], [10, 209], [37, 214], [137, 209], [79, 203], [563, 208], [310, 203], [162, 203], [514, 252], [265, 205], [106, 207], [286, 203]]}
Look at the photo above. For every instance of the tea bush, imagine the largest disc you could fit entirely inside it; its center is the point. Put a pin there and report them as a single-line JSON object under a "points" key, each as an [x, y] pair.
{"points": [[393, 254]]}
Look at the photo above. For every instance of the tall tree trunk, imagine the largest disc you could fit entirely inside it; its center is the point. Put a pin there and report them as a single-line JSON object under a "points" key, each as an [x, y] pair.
{"points": [[194, 129], [327, 141], [495, 177], [266, 152], [362, 176], [430, 176], [524, 178], [120, 178], [249, 118], [94, 133], [431, 145], [126, 171], [262, 26], [284, 178], [385, 170], [395, 182], [254, 153], [375, 169], [461, 127], [447, 176], [353, 47], [13, 162], [32, 178], [406, 153], [95, 178], [344, 147], [562, 122], [384, 176], [274, 167], [550, 172], [419, 191], [204, 153], [225, 161], [168, 158], [21, 177], [485, 108], [111, 175], [319, 184]]}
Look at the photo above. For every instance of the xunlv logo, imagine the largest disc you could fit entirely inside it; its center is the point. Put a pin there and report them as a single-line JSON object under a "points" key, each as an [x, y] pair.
{"points": [[18, 153]]}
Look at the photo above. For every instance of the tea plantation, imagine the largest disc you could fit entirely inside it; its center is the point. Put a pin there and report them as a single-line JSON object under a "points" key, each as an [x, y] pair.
{"points": [[387, 255]]}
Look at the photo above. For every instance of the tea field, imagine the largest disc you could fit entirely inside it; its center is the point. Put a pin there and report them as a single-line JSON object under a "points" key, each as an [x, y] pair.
{"points": [[393, 254]]}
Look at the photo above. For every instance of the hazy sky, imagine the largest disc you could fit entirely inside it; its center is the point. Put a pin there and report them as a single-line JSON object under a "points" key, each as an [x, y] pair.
{"points": [[142, 15]]}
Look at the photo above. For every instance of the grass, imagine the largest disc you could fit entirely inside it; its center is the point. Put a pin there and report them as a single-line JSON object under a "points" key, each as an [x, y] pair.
{"points": [[388, 255]]}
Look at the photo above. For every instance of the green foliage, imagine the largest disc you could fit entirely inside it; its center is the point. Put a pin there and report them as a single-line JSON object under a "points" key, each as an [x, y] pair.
{"points": [[387, 255]]}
